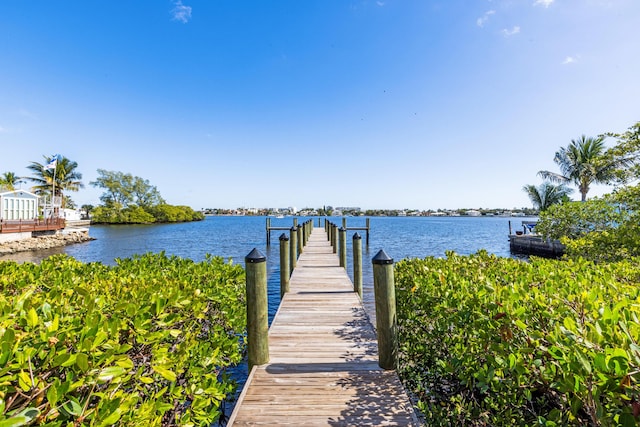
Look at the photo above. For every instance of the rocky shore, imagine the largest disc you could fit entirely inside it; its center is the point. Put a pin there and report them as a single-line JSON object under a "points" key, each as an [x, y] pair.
{"points": [[45, 242]]}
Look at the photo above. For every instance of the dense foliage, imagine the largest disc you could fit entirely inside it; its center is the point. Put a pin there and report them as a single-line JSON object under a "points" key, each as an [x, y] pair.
{"points": [[139, 215], [144, 343], [602, 230], [501, 342]]}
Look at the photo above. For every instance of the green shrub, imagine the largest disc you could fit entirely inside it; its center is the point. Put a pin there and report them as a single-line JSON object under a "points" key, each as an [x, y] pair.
{"points": [[575, 219], [171, 213], [496, 341], [137, 215], [143, 343]]}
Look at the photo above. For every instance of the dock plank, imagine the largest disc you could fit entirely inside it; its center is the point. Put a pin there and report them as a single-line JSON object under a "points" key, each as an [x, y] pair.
{"points": [[323, 356]]}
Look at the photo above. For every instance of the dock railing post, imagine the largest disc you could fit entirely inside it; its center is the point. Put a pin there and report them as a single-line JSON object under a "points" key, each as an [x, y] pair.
{"points": [[300, 241], [257, 320], [305, 227], [334, 237], [293, 248], [343, 246], [331, 233], [344, 222], [285, 271], [385, 299], [357, 264]]}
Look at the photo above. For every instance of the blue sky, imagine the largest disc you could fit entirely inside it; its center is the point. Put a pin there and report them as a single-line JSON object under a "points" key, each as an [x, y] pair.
{"points": [[420, 104]]}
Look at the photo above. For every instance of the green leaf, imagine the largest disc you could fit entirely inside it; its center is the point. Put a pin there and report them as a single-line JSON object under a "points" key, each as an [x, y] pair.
{"points": [[24, 381], [166, 373], [25, 417], [53, 325], [627, 420], [32, 318], [9, 336], [52, 395], [82, 360], [101, 337], [108, 374], [70, 361], [73, 407], [583, 362], [113, 418], [520, 324], [61, 358]]}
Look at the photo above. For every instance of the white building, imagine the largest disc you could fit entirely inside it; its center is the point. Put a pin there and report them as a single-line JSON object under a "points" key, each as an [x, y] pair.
{"points": [[18, 205]]}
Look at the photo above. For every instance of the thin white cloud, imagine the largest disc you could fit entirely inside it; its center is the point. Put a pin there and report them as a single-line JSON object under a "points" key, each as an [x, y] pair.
{"points": [[181, 12], [543, 3], [484, 18], [380, 3], [510, 32], [26, 113], [570, 59]]}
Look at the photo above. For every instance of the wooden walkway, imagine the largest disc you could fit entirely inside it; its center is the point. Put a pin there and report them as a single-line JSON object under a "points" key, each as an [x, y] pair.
{"points": [[323, 367]]}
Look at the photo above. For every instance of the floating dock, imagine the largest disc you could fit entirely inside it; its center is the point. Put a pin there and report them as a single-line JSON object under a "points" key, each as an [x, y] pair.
{"points": [[531, 244]]}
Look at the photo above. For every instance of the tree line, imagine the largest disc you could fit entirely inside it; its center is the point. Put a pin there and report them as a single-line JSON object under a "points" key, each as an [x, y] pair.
{"points": [[127, 199]]}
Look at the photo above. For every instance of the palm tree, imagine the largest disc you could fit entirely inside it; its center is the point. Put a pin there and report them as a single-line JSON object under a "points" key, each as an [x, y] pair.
{"points": [[65, 175], [547, 194], [9, 180], [582, 163]]}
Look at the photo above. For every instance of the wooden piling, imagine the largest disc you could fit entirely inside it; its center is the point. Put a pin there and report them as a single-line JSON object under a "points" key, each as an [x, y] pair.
{"points": [[285, 270], [293, 248], [257, 320], [368, 228], [342, 239], [334, 238], [305, 227], [268, 231], [385, 300], [357, 264]]}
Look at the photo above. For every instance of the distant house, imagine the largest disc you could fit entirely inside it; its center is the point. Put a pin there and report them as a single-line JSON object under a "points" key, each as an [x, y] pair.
{"points": [[18, 205]]}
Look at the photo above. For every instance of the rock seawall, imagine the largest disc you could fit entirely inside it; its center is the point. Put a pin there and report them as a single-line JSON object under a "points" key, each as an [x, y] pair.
{"points": [[45, 242]]}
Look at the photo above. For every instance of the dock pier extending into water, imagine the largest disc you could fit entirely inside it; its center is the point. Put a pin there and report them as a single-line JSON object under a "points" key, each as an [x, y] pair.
{"points": [[321, 362], [269, 228]]}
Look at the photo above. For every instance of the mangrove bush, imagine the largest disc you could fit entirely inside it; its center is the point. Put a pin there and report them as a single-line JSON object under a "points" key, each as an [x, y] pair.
{"points": [[145, 342], [495, 341]]}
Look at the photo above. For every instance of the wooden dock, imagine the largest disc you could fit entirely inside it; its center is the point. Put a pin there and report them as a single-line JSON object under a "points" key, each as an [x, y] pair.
{"points": [[323, 366]]}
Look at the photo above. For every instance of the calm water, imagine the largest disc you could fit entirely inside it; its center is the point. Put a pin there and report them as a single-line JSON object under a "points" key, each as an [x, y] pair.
{"points": [[234, 237]]}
